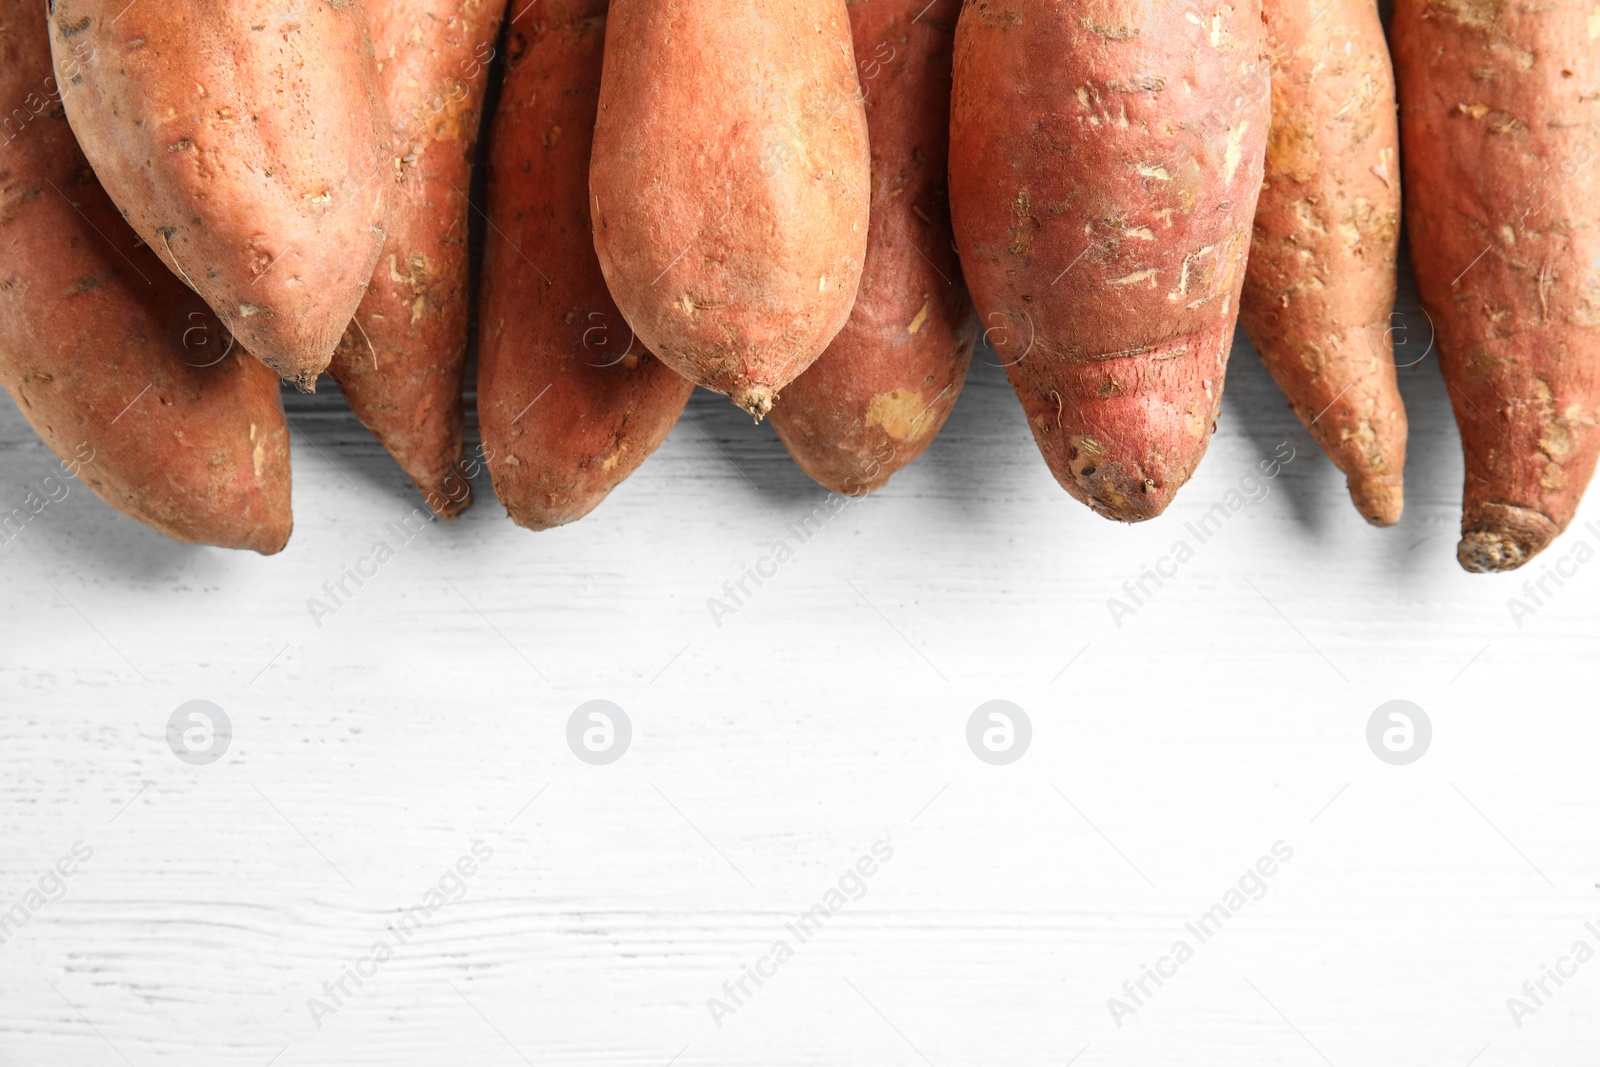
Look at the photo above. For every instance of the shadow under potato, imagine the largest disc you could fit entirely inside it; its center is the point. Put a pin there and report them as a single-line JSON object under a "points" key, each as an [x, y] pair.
{"points": [[756, 461], [46, 516], [1435, 467], [1255, 408], [987, 423], [1253, 402]]}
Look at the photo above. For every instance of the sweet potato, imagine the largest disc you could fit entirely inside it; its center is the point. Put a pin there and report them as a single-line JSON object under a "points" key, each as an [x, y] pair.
{"points": [[402, 358], [1499, 105], [880, 392], [125, 373], [247, 144], [1105, 159], [731, 185], [569, 400], [1319, 290]]}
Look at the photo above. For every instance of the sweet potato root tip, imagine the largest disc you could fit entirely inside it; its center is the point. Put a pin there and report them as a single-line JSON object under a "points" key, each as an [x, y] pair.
{"points": [[1116, 491], [1502, 537], [1380, 499], [270, 540], [755, 401], [452, 506], [540, 519]]}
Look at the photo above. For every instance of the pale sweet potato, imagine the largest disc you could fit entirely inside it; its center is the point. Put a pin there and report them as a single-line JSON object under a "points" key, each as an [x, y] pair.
{"points": [[731, 185], [1500, 129], [246, 143], [880, 392], [125, 373], [1105, 159], [569, 400], [1319, 290], [401, 360]]}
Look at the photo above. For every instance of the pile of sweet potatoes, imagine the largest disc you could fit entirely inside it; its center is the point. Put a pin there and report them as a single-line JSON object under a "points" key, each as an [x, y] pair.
{"points": [[812, 207]]}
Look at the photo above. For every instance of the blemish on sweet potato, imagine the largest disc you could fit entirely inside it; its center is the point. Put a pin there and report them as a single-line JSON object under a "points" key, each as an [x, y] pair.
{"points": [[84, 285], [1026, 225], [900, 413]]}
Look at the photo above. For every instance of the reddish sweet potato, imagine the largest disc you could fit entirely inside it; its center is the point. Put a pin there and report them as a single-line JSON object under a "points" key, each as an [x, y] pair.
{"points": [[570, 401], [731, 185], [247, 144], [877, 397], [110, 358], [1105, 159], [1319, 290], [401, 361], [1500, 127]]}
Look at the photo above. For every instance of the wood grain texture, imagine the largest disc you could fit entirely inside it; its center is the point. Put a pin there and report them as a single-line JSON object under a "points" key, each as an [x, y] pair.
{"points": [[826, 713]]}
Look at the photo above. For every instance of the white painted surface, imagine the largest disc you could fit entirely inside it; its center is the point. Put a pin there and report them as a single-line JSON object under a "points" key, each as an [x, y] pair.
{"points": [[828, 713]]}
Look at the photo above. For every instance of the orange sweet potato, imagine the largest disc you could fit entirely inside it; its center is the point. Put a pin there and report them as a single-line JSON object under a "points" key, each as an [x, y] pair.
{"points": [[1319, 290], [569, 400], [247, 144], [124, 372], [401, 360], [1105, 159], [1500, 128], [880, 392], [731, 185]]}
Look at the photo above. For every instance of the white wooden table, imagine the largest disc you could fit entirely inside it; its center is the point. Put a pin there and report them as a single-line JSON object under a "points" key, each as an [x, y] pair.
{"points": [[829, 712]]}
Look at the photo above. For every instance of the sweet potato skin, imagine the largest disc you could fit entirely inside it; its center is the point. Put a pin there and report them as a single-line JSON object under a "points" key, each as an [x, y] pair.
{"points": [[881, 391], [1105, 159], [401, 361], [110, 358], [1499, 106], [730, 178], [247, 144], [1319, 289], [570, 402]]}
